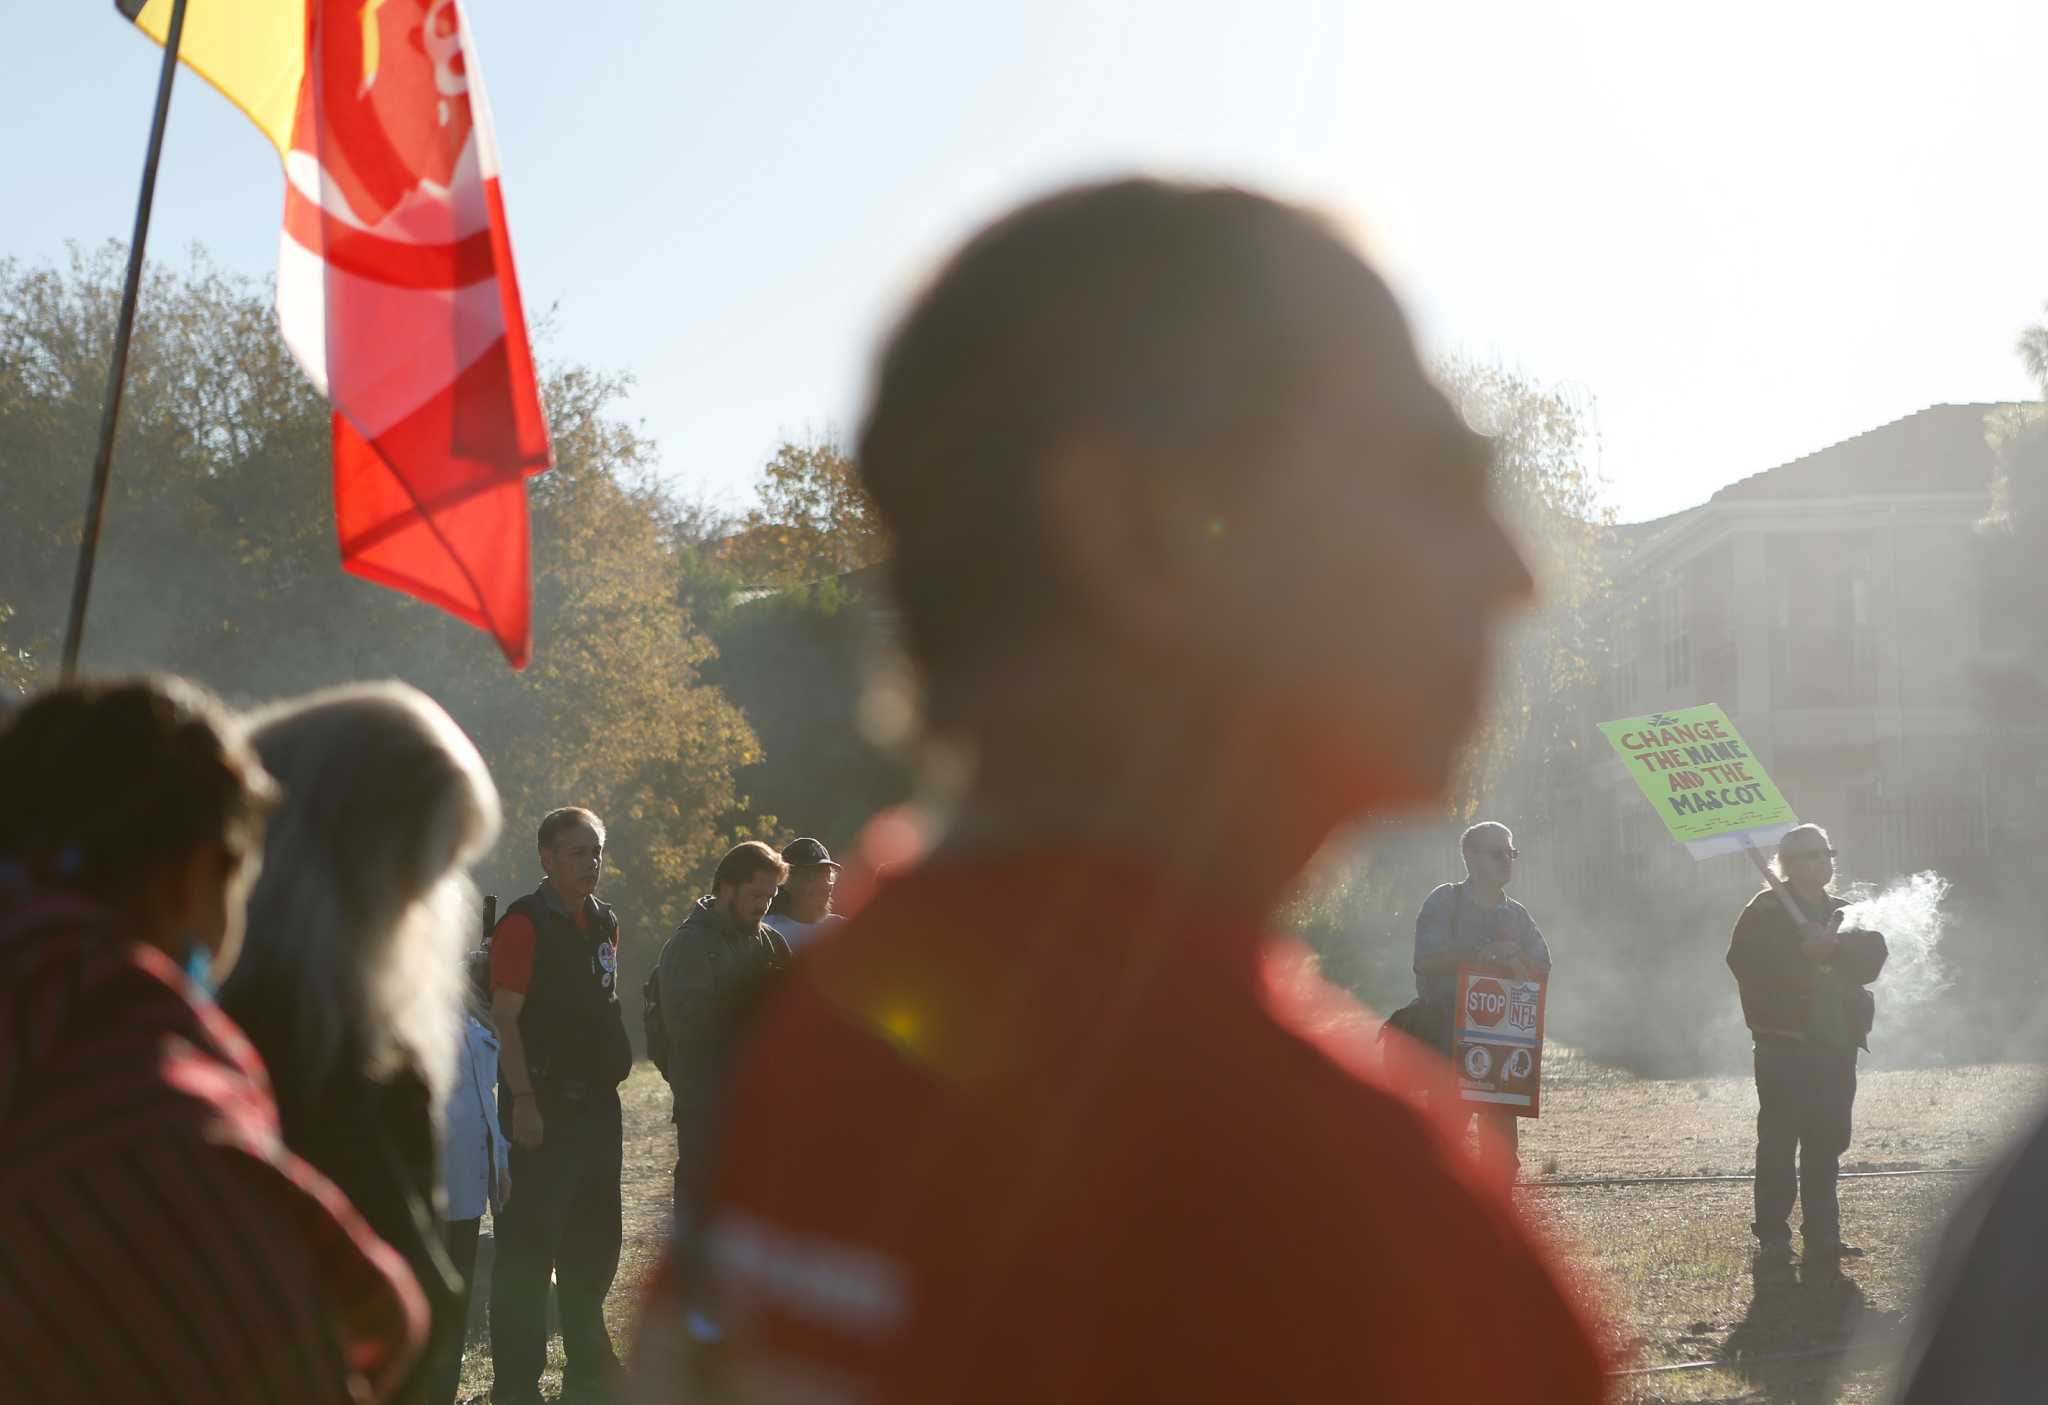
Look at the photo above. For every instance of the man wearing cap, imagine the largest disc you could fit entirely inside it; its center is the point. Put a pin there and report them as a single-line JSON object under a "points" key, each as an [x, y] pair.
{"points": [[717, 967], [803, 904]]}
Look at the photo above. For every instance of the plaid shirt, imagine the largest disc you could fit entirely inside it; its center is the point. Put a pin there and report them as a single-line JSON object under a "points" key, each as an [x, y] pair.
{"points": [[157, 1242]]}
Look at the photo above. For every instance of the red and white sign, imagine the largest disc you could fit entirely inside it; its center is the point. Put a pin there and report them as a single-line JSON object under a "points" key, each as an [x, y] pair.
{"points": [[1497, 1045], [1486, 1003]]}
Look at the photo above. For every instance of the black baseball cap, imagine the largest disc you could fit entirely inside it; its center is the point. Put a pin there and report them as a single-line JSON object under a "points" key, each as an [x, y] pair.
{"points": [[807, 853]]}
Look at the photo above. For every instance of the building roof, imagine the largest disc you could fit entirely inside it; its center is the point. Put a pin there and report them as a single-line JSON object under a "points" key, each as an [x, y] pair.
{"points": [[1940, 449]]}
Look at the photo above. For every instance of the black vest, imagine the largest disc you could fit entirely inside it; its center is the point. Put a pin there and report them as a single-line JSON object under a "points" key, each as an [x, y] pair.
{"points": [[572, 1025]]}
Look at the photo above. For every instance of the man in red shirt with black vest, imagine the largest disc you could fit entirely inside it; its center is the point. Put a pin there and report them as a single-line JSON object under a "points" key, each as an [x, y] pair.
{"points": [[1198, 568], [563, 1054]]}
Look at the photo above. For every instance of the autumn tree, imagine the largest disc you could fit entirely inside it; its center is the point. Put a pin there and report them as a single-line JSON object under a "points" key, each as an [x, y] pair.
{"points": [[218, 560], [812, 520], [791, 594], [1547, 485]]}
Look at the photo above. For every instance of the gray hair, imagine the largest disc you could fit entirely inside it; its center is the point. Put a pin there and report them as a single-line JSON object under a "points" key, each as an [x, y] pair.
{"points": [[1484, 827], [1798, 831], [358, 925]]}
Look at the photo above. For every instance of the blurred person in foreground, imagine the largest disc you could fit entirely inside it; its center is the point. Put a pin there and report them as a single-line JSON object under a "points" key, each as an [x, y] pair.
{"points": [[802, 909], [563, 1052], [1199, 568], [1975, 1336], [158, 1242], [351, 978], [1804, 999], [1475, 923], [713, 974]]}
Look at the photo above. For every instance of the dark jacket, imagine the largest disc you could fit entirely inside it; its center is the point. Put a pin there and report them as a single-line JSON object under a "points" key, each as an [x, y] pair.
{"points": [[572, 1026], [375, 1139], [712, 977], [1777, 982]]}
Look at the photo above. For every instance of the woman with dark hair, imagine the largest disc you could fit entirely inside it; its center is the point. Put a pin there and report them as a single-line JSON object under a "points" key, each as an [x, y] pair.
{"points": [[157, 1241], [351, 981]]}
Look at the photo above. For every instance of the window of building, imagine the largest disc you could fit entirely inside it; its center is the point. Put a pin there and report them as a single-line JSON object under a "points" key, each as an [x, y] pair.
{"points": [[1675, 620]]}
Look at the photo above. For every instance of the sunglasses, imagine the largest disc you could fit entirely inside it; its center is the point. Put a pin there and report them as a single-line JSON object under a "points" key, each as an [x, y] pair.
{"points": [[1804, 854], [1500, 853]]}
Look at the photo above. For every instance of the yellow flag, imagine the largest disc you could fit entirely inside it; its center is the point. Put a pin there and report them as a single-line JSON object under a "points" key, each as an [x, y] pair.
{"points": [[254, 51]]}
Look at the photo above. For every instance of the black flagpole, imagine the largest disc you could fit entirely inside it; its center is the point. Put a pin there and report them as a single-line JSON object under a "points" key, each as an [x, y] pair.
{"points": [[117, 370]]}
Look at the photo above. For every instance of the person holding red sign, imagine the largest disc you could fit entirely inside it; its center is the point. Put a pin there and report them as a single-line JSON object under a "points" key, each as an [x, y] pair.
{"points": [[1476, 923]]}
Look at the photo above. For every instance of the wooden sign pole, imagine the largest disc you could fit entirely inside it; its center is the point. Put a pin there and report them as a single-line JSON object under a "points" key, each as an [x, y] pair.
{"points": [[1756, 856]]}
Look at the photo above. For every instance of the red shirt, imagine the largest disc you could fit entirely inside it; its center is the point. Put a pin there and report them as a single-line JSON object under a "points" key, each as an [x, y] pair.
{"points": [[1046, 1129], [512, 949], [157, 1242]]}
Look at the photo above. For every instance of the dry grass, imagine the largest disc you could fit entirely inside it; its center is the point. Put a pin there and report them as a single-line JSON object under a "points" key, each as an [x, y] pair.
{"points": [[1668, 1265], [1599, 1121]]}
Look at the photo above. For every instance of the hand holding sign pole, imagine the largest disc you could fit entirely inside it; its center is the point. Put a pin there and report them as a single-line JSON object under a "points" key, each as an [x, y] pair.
{"points": [[1707, 786]]}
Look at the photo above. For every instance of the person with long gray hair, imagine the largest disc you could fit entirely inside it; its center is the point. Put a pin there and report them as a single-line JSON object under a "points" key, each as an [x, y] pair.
{"points": [[351, 978]]}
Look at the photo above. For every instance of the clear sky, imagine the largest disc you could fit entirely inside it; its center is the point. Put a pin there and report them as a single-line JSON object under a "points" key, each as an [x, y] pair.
{"points": [[1744, 230]]}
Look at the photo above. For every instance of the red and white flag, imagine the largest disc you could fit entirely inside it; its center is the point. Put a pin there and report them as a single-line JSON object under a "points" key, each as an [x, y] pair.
{"points": [[395, 284]]}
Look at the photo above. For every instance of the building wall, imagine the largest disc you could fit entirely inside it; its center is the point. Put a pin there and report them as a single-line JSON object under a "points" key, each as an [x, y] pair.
{"points": [[1840, 636]]}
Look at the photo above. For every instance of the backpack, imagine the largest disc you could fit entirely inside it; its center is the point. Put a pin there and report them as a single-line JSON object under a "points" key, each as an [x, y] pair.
{"points": [[653, 1024]]}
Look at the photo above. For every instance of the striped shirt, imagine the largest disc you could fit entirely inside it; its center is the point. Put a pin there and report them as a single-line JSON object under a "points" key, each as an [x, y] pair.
{"points": [[157, 1242]]}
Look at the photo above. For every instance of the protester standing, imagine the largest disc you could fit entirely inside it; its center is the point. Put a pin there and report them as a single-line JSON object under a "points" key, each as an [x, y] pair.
{"points": [[350, 982], [1475, 923], [803, 904], [158, 1242], [1196, 568], [714, 972], [1803, 993], [563, 1053]]}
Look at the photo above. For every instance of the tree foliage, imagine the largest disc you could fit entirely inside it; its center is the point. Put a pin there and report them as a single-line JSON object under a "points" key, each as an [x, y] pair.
{"points": [[813, 520], [2013, 673], [1549, 490], [792, 598], [218, 560]]}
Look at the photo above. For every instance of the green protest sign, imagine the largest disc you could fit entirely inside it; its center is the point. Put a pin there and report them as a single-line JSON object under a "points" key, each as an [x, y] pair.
{"points": [[1705, 784]]}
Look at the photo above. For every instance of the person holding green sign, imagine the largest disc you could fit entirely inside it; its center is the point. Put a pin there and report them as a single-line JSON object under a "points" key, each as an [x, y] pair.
{"points": [[1803, 997]]}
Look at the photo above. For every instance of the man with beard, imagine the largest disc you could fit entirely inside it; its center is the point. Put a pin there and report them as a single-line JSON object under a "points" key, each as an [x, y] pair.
{"points": [[713, 972]]}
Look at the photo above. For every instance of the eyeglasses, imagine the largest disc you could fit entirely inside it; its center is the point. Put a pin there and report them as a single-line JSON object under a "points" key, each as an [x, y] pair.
{"points": [[1804, 854], [1500, 853]]}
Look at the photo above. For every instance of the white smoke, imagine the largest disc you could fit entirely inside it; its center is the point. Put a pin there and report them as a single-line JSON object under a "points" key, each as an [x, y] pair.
{"points": [[1908, 912]]}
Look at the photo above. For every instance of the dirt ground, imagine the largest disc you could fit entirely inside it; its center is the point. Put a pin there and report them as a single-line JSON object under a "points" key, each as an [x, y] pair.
{"points": [[1666, 1267], [1669, 1265]]}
